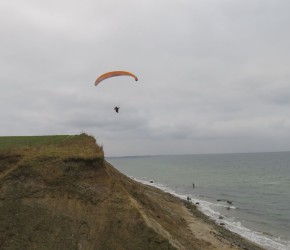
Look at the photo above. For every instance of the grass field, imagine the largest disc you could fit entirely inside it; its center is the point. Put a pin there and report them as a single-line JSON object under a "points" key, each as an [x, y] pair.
{"points": [[37, 149], [20, 141]]}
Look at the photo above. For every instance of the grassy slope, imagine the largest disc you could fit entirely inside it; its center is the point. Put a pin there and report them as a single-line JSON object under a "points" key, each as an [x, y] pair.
{"points": [[64, 196], [63, 146], [19, 141]]}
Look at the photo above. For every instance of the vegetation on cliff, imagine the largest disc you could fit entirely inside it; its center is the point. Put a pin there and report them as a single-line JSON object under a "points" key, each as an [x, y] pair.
{"points": [[60, 194]]}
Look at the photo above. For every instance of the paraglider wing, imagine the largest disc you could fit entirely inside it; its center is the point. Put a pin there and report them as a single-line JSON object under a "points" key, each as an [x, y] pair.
{"points": [[114, 73]]}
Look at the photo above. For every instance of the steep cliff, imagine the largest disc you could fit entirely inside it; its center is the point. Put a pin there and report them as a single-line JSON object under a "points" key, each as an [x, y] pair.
{"points": [[66, 196]]}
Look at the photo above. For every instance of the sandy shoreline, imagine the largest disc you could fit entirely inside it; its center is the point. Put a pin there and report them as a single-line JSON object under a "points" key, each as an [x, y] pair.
{"points": [[217, 232], [210, 234]]}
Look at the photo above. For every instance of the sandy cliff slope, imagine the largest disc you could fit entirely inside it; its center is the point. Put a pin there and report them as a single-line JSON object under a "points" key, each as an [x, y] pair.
{"points": [[66, 196]]}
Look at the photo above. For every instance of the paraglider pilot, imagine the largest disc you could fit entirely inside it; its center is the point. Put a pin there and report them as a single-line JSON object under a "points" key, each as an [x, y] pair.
{"points": [[117, 109]]}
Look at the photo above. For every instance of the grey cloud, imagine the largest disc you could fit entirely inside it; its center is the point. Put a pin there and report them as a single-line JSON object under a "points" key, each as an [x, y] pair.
{"points": [[213, 75]]}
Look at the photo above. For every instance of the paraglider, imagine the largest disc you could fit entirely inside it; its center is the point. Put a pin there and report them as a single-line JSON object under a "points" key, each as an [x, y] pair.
{"points": [[117, 109], [114, 73]]}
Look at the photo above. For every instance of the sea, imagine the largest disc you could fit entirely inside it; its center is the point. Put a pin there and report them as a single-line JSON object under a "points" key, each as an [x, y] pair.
{"points": [[249, 193]]}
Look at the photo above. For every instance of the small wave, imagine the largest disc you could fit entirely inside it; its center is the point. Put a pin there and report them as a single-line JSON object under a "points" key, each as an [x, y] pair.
{"points": [[225, 206], [270, 183], [206, 196]]}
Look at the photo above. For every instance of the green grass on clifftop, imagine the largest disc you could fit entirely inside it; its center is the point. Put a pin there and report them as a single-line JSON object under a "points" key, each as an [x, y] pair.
{"points": [[55, 160], [65, 147], [19, 141]]}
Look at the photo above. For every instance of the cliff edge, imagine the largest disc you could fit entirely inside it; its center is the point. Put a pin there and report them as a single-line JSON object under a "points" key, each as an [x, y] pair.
{"points": [[65, 195]]}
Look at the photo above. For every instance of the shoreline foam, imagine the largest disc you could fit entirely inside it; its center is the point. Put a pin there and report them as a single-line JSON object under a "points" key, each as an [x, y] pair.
{"points": [[229, 223]]}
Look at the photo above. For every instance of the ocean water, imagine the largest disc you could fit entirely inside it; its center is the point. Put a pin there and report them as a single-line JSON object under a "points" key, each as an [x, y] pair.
{"points": [[250, 193]]}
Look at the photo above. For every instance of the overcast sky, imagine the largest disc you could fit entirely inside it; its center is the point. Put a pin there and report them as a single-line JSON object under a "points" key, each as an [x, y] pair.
{"points": [[214, 75]]}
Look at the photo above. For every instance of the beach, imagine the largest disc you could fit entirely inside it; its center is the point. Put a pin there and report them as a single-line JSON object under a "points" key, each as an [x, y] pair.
{"points": [[248, 193], [207, 233]]}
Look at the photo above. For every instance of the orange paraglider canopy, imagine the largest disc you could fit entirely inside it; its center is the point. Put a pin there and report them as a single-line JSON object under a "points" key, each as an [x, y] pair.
{"points": [[114, 73]]}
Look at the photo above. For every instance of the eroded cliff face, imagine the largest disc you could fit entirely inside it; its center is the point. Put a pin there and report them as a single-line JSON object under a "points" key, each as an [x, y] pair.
{"points": [[67, 196]]}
